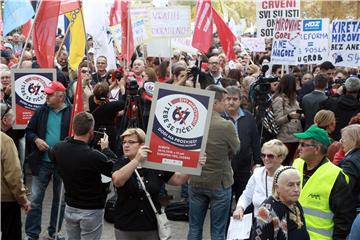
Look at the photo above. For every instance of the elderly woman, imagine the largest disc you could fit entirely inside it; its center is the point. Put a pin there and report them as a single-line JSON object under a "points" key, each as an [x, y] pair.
{"points": [[134, 217], [350, 140], [260, 183], [281, 216]]}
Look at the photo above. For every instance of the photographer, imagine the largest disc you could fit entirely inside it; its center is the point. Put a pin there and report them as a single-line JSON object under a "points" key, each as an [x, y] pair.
{"points": [[80, 167], [105, 113], [116, 85]]}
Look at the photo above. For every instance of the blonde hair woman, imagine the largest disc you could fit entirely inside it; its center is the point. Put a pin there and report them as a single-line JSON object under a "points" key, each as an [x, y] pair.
{"points": [[325, 119], [259, 185], [350, 139]]}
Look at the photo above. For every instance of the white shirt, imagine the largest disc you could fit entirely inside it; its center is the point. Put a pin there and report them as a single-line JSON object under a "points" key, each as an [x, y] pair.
{"points": [[256, 190]]}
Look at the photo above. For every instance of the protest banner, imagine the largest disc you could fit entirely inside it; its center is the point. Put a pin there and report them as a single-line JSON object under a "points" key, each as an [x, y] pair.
{"points": [[314, 44], [27, 89], [345, 43], [170, 22], [139, 33], [178, 128], [159, 47], [183, 44], [286, 41], [253, 44], [268, 10]]}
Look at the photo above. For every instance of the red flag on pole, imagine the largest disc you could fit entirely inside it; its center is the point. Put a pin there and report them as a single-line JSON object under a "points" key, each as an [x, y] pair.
{"points": [[227, 38], [202, 36], [115, 13], [44, 35], [78, 104], [68, 6], [127, 40], [26, 28]]}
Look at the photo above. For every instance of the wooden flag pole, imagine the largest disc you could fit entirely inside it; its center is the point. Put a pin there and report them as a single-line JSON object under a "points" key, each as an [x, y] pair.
{"points": [[28, 37], [63, 41]]}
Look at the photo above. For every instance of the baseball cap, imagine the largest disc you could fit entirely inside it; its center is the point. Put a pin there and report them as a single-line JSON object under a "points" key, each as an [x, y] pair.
{"points": [[316, 133], [54, 87], [352, 84], [8, 45]]}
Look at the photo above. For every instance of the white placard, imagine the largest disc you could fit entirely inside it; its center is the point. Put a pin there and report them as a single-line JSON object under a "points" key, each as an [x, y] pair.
{"points": [[345, 43], [240, 229], [159, 47], [286, 41], [183, 44], [268, 10], [314, 46], [170, 22], [253, 44]]}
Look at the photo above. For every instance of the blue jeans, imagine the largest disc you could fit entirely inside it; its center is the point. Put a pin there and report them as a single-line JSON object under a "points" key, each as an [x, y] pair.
{"points": [[355, 229], [199, 201], [184, 190], [38, 189], [83, 223]]}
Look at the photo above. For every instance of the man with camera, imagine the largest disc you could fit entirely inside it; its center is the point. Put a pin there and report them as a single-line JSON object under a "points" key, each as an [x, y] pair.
{"points": [[80, 167]]}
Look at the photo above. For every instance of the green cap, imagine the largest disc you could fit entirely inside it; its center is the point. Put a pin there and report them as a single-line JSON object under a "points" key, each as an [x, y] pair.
{"points": [[316, 133]]}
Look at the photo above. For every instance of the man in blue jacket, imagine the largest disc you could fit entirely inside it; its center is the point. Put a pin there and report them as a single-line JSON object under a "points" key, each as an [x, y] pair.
{"points": [[245, 126], [48, 126]]}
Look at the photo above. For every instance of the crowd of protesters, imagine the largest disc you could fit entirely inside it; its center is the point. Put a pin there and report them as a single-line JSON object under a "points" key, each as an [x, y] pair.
{"points": [[301, 183]]}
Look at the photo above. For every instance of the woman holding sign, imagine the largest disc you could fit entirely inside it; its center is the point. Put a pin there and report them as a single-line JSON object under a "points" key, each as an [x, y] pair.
{"points": [[134, 216]]}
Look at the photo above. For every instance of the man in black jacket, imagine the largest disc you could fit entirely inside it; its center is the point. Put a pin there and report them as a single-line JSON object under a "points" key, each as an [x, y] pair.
{"points": [[213, 76], [80, 167], [345, 106], [326, 68], [249, 154], [48, 126]]}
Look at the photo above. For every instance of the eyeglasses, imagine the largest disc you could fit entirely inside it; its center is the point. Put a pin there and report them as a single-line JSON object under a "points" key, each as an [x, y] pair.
{"points": [[85, 71], [214, 63], [268, 156], [130, 142], [302, 144]]}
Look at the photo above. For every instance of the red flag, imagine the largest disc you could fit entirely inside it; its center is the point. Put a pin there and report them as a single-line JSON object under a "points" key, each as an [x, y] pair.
{"points": [[115, 13], [227, 38], [78, 104], [127, 40], [44, 36], [68, 6], [202, 37], [26, 28]]}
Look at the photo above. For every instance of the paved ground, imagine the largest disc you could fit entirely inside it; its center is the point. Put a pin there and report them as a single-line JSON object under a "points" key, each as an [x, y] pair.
{"points": [[179, 229]]}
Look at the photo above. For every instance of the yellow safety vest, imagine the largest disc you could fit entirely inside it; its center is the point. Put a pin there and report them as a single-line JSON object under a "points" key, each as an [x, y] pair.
{"points": [[314, 199]]}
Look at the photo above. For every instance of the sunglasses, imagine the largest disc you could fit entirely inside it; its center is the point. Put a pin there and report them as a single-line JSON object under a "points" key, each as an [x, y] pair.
{"points": [[85, 71], [302, 144], [268, 156]]}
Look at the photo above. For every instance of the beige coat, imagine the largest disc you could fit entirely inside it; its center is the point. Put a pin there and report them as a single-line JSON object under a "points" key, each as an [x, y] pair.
{"points": [[281, 108], [12, 186]]}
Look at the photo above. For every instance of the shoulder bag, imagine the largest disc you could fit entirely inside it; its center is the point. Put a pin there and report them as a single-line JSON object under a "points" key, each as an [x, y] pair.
{"points": [[163, 224]]}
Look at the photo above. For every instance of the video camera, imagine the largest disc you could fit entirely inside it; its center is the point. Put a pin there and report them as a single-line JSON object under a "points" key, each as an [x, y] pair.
{"points": [[262, 84], [132, 86]]}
